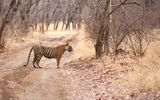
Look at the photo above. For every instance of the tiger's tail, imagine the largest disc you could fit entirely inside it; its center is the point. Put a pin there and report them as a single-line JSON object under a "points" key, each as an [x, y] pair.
{"points": [[28, 57]]}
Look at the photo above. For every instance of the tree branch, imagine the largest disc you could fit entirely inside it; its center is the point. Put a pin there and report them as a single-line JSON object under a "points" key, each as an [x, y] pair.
{"points": [[132, 3]]}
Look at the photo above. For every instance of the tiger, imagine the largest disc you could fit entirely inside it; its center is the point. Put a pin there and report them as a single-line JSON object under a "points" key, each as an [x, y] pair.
{"points": [[48, 52]]}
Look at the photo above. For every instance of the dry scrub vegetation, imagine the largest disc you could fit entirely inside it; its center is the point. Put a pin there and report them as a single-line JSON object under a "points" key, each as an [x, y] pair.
{"points": [[121, 77]]}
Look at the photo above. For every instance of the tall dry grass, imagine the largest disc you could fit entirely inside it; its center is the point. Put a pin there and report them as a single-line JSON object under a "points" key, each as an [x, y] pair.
{"points": [[146, 74]]}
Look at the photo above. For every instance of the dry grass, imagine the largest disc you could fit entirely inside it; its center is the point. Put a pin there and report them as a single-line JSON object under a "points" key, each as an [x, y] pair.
{"points": [[144, 78], [17, 43], [146, 74]]}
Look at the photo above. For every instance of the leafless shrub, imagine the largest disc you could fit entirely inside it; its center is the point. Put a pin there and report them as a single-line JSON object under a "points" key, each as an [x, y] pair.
{"points": [[118, 34], [138, 32], [138, 42]]}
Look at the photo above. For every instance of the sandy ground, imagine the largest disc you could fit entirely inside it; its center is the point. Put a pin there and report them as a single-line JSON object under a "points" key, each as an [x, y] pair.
{"points": [[27, 83]]}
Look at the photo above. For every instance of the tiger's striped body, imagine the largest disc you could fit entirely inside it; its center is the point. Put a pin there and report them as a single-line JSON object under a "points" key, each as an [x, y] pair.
{"points": [[48, 52]]}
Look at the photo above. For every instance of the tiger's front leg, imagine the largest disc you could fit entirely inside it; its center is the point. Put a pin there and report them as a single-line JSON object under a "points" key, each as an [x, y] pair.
{"points": [[58, 62]]}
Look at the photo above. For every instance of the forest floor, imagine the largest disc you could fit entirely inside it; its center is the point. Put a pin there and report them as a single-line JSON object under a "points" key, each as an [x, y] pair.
{"points": [[81, 76]]}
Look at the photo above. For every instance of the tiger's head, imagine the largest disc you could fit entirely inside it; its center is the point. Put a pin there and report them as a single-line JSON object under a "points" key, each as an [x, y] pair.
{"points": [[68, 47]]}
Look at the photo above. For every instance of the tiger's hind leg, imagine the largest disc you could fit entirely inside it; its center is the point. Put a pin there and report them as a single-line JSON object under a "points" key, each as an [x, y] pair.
{"points": [[38, 60], [34, 61]]}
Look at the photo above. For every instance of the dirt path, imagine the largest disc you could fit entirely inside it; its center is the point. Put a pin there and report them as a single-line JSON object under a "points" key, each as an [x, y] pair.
{"points": [[18, 82], [33, 84], [27, 83]]}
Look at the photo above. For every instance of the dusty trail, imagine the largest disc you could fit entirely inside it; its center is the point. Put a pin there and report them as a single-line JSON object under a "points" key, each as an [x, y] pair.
{"points": [[20, 83]]}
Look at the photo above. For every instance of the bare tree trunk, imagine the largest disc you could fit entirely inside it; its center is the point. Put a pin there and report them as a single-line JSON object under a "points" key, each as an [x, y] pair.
{"points": [[68, 23], [99, 46], [42, 28], [56, 25], [106, 39], [47, 26], [63, 25], [64, 21], [103, 35], [1, 33], [2, 27], [1, 6], [74, 25], [35, 26], [5, 20]]}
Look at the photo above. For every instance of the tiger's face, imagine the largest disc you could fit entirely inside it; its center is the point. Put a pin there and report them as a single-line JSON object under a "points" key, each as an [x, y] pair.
{"points": [[68, 48]]}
